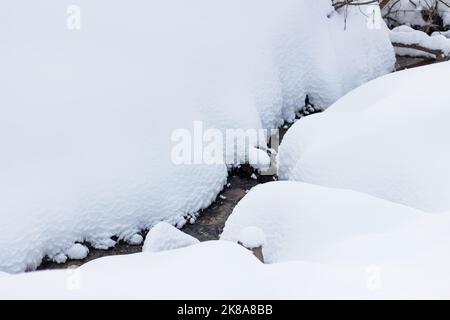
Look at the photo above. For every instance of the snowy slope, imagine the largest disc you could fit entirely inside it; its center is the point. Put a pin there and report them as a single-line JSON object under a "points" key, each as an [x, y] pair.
{"points": [[401, 249], [86, 116], [223, 270], [300, 220], [388, 138]]}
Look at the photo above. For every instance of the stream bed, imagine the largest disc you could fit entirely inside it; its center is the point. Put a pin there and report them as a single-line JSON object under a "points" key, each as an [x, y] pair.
{"points": [[211, 221]]}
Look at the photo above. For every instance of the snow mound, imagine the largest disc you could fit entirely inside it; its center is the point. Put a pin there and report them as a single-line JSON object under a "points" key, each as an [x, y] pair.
{"points": [[60, 258], [87, 116], [383, 139], [77, 252], [301, 220], [237, 274], [135, 239], [164, 237], [252, 237]]}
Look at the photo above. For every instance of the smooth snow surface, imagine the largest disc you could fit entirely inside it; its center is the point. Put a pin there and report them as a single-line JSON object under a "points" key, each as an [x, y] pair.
{"points": [[236, 274], [87, 116], [164, 236], [388, 138], [300, 220]]}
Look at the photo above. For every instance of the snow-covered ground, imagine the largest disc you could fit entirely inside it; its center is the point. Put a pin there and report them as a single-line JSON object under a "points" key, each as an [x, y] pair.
{"points": [[87, 115], [225, 270], [301, 220], [376, 228], [388, 138]]}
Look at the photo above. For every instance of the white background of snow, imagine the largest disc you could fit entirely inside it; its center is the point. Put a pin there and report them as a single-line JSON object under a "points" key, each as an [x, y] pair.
{"points": [[388, 138], [164, 236], [347, 230], [242, 276], [408, 36], [86, 117]]}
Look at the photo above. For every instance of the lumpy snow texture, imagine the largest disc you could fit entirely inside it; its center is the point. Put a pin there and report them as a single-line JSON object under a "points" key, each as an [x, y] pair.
{"points": [[86, 116], [388, 138], [164, 236]]}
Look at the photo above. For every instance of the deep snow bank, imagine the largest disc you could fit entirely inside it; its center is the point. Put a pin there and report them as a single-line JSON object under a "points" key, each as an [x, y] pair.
{"points": [[86, 116], [301, 220], [403, 251], [242, 276], [388, 138]]}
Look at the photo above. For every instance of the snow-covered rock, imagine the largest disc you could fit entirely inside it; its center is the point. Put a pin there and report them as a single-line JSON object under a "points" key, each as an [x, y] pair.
{"points": [[60, 258], [388, 138], [135, 239], [252, 237], [87, 116], [77, 252], [300, 220], [164, 237]]}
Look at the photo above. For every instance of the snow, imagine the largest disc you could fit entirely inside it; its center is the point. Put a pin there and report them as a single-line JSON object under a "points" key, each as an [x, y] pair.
{"points": [[441, 33], [236, 272], [409, 12], [408, 36], [259, 159], [88, 115], [300, 220], [252, 237], [77, 251], [135, 239], [60, 258], [388, 138], [164, 236]]}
